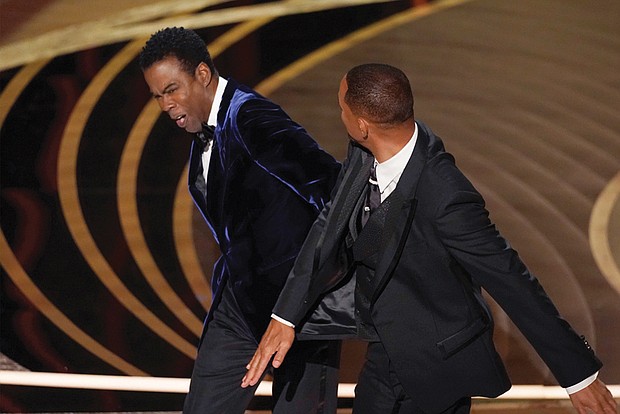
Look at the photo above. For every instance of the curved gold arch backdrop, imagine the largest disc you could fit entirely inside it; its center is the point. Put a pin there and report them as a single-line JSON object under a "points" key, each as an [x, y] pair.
{"points": [[105, 266], [105, 262]]}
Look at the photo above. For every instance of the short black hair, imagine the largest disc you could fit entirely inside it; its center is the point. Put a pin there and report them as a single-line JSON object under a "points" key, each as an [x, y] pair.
{"points": [[380, 92], [183, 44]]}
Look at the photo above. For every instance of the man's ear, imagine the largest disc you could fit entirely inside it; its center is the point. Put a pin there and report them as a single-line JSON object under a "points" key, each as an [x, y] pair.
{"points": [[203, 73], [362, 123]]}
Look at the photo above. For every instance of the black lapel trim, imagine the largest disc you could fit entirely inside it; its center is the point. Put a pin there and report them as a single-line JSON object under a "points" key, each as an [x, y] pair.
{"points": [[401, 212], [343, 203]]}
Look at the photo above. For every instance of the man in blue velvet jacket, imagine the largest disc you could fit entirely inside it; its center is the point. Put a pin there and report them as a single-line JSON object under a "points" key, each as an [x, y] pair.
{"points": [[259, 180]]}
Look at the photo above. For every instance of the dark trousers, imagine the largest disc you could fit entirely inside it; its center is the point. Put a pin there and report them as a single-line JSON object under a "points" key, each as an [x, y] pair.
{"points": [[378, 389], [307, 382]]}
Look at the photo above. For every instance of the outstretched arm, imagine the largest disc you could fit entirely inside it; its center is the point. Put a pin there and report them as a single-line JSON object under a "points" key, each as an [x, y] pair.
{"points": [[595, 398], [277, 340]]}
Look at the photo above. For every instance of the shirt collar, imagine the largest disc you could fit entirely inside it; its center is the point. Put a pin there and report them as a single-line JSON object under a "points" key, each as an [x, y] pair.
{"points": [[391, 169], [217, 100]]}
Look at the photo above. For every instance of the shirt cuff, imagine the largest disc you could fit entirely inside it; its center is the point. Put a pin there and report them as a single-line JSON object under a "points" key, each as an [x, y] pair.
{"points": [[582, 384], [284, 321]]}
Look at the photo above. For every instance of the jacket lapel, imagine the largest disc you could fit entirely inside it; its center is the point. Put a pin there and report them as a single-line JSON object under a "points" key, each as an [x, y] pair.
{"points": [[400, 214], [343, 203], [218, 153], [195, 178]]}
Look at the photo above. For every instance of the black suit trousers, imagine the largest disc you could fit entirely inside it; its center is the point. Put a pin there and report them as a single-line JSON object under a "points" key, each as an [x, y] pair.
{"points": [[379, 390], [307, 382]]}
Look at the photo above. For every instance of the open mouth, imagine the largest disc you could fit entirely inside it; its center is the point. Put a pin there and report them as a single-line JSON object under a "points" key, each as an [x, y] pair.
{"points": [[180, 120]]}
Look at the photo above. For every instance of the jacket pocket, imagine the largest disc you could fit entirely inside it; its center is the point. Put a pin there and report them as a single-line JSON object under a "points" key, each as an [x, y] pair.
{"points": [[459, 340]]}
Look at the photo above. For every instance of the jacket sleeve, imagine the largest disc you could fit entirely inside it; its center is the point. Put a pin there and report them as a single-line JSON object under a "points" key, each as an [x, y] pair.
{"points": [[299, 295], [285, 150], [294, 300], [464, 228]]}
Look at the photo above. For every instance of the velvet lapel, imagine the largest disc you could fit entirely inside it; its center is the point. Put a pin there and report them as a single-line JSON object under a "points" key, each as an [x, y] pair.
{"points": [[217, 164], [400, 214], [343, 204], [195, 178]]}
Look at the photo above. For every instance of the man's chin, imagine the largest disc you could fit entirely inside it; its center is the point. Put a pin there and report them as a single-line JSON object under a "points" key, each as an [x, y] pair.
{"points": [[193, 129]]}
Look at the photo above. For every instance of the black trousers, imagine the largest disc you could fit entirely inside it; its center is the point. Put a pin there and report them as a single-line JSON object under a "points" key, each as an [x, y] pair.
{"points": [[307, 381], [379, 391]]}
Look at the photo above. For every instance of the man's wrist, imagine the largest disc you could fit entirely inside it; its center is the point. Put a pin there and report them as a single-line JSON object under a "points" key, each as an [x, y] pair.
{"points": [[282, 321], [581, 384]]}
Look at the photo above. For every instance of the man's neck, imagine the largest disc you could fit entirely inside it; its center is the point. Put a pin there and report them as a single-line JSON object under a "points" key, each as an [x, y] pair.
{"points": [[391, 141]]}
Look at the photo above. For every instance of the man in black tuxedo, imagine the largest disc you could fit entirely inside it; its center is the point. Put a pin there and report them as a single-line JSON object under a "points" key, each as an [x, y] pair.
{"points": [[408, 278], [260, 181]]}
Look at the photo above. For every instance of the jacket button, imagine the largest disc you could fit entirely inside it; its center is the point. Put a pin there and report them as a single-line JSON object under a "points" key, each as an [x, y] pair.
{"points": [[583, 338]]}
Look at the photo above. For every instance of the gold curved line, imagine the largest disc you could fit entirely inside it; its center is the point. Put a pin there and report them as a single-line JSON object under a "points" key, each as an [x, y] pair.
{"points": [[599, 230], [70, 203], [130, 220], [237, 14], [15, 87], [186, 248], [181, 223], [311, 60], [232, 36], [155, 10], [20, 277], [72, 39]]}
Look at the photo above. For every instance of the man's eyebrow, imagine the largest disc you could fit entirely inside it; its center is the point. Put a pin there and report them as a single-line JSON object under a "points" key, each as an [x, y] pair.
{"points": [[170, 85], [165, 90]]}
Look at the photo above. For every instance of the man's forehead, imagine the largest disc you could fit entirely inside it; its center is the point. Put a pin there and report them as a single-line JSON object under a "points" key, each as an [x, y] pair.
{"points": [[169, 63], [164, 72]]}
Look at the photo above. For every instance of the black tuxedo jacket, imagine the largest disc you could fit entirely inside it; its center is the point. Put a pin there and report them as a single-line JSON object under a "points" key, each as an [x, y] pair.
{"points": [[267, 182], [437, 249]]}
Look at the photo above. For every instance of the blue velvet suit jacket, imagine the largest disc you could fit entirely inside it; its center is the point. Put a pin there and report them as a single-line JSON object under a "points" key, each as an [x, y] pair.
{"points": [[267, 182], [437, 248]]}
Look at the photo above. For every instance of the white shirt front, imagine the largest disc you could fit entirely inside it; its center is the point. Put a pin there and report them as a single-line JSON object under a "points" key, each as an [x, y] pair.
{"points": [[389, 171], [217, 100]]}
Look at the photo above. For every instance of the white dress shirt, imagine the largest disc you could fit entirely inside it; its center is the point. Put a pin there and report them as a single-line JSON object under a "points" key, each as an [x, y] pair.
{"points": [[389, 171]]}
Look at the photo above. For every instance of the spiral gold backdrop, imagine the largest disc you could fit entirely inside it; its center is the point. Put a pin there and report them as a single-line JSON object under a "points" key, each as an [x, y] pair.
{"points": [[105, 261]]}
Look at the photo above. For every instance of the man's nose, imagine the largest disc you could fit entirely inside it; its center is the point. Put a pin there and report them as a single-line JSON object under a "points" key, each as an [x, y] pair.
{"points": [[166, 104]]}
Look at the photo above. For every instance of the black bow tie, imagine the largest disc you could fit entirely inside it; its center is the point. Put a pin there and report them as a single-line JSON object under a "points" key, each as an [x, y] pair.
{"points": [[205, 136]]}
